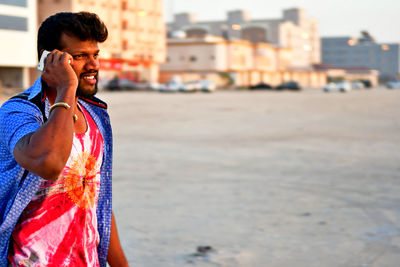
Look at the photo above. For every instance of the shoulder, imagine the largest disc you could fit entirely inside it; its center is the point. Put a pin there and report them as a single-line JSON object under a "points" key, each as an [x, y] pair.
{"points": [[18, 113], [19, 105]]}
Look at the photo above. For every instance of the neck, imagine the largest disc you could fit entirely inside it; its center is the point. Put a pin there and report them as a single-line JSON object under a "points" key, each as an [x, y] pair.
{"points": [[52, 95]]}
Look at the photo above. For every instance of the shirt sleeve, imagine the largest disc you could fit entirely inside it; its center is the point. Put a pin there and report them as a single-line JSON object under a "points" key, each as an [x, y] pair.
{"points": [[18, 118]]}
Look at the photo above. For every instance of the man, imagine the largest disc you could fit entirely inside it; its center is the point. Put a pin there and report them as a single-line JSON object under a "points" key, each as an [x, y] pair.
{"points": [[56, 157]]}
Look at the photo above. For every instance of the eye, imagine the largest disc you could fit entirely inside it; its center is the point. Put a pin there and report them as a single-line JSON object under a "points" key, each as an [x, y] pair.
{"points": [[77, 57], [96, 55]]}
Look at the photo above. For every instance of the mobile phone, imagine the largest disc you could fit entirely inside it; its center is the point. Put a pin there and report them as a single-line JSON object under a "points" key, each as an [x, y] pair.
{"points": [[43, 58]]}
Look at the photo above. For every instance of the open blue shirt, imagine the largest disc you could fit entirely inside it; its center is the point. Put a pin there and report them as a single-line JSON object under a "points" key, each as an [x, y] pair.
{"points": [[19, 117]]}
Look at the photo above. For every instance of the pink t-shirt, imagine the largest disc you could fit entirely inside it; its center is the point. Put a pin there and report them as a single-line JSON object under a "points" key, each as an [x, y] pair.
{"points": [[59, 226]]}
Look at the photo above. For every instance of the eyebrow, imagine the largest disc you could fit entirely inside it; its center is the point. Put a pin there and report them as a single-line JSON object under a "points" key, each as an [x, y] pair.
{"points": [[85, 52]]}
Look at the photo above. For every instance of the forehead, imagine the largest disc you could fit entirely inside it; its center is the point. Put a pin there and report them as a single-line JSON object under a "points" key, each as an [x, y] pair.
{"points": [[71, 44]]}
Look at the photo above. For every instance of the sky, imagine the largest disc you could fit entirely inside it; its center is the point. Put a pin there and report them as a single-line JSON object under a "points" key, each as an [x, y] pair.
{"points": [[336, 17]]}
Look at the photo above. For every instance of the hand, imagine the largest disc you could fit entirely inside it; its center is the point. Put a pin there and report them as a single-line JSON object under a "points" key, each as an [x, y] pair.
{"points": [[58, 72]]}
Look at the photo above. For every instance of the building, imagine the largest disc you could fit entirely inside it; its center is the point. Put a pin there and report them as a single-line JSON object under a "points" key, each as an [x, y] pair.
{"points": [[335, 74], [362, 52], [136, 43], [294, 31], [18, 56], [234, 62]]}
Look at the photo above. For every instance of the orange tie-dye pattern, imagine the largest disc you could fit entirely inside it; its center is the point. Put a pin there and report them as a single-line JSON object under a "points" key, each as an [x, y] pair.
{"points": [[80, 180]]}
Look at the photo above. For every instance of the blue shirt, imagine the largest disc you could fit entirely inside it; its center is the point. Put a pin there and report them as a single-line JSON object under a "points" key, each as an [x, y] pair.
{"points": [[19, 117]]}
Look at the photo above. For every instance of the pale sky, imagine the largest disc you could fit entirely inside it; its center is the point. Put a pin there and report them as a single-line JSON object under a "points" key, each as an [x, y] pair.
{"points": [[336, 17]]}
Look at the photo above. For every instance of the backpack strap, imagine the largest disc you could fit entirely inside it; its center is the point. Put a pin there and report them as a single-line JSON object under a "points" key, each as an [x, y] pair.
{"points": [[37, 101]]}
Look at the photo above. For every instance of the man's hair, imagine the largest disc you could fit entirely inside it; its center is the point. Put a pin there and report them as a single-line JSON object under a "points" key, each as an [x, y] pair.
{"points": [[83, 25]]}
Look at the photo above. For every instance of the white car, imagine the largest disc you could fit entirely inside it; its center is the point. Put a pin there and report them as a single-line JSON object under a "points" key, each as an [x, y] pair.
{"points": [[192, 86], [188, 87], [208, 86], [171, 86], [340, 87], [357, 85], [153, 85], [393, 84]]}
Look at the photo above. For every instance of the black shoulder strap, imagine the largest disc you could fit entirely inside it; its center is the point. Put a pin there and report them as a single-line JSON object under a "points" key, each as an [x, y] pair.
{"points": [[37, 101]]}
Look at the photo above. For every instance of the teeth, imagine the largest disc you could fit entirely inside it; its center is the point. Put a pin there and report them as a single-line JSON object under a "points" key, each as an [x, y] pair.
{"points": [[89, 77]]}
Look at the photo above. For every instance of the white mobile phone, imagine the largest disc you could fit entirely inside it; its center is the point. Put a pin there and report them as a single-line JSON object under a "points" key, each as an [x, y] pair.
{"points": [[42, 59]]}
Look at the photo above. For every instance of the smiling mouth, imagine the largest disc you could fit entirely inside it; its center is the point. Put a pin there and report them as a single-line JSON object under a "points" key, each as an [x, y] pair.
{"points": [[91, 78]]}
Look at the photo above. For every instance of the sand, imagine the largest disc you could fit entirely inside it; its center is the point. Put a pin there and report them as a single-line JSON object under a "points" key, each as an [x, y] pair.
{"points": [[277, 179], [265, 178]]}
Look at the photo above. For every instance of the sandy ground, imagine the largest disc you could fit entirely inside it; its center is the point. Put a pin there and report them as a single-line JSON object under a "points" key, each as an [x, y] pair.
{"points": [[277, 179]]}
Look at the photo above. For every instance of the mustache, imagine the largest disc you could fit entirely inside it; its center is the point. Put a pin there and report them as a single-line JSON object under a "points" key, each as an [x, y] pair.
{"points": [[95, 73]]}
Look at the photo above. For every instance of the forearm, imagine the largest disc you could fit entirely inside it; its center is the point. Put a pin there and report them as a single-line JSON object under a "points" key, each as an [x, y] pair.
{"points": [[115, 257], [46, 151]]}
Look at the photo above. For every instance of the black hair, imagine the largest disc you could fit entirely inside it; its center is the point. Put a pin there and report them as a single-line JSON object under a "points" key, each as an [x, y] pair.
{"points": [[83, 25]]}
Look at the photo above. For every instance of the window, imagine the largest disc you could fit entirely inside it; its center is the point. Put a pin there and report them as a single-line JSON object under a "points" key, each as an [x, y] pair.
{"points": [[124, 5], [124, 44], [13, 23], [124, 24], [196, 33], [21, 3]]}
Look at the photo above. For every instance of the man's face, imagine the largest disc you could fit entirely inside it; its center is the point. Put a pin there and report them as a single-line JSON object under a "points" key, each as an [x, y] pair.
{"points": [[85, 63]]}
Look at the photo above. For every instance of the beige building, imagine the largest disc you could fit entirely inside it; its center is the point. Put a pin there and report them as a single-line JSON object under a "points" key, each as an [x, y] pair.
{"points": [[294, 30], [136, 43], [350, 73], [235, 62]]}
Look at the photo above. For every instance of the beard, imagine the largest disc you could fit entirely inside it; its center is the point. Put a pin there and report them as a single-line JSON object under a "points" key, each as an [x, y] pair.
{"points": [[86, 91]]}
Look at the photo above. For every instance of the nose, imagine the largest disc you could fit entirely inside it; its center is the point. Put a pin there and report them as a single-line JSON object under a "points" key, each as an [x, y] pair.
{"points": [[92, 63]]}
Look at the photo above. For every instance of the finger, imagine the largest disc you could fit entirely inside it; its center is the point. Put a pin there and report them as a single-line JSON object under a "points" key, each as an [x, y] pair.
{"points": [[48, 60], [57, 56], [52, 58], [66, 58]]}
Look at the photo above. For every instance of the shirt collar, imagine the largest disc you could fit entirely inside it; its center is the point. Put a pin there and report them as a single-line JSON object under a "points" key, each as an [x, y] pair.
{"points": [[36, 89]]}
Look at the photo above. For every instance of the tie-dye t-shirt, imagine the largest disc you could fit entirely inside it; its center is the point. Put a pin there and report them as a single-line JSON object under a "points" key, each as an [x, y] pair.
{"points": [[59, 226]]}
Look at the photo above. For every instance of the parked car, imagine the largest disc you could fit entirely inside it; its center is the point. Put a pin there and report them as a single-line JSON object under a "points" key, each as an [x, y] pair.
{"points": [[103, 83], [367, 83], [260, 86], [357, 85], [153, 85], [340, 86], [208, 86], [289, 85], [393, 84], [190, 87], [171, 86], [121, 84]]}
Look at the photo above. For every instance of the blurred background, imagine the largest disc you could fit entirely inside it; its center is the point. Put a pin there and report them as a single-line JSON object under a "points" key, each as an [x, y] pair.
{"points": [[166, 45]]}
